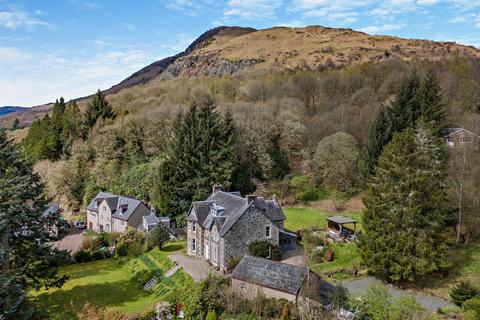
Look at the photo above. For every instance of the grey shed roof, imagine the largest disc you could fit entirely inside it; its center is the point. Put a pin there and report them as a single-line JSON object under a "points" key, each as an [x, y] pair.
{"points": [[150, 219], [52, 208], [116, 204], [341, 220], [271, 274], [452, 131]]}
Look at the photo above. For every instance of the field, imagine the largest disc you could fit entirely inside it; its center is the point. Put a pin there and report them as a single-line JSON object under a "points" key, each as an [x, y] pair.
{"points": [[306, 218], [109, 284]]}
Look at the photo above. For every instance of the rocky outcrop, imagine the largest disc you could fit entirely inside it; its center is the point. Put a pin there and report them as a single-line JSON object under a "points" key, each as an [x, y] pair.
{"points": [[192, 66]]}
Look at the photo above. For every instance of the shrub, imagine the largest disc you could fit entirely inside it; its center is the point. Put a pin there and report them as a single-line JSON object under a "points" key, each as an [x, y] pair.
{"points": [[158, 236], [121, 249], [472, 307], [463, 291], [233, 263], [265, 249], [212, 315], [304, 190], [142, 276], [82, 256]]}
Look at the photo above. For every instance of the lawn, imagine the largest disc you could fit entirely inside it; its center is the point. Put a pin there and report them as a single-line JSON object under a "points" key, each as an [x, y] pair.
{"points": [[346, 256], [109, 283], [305, 218]]}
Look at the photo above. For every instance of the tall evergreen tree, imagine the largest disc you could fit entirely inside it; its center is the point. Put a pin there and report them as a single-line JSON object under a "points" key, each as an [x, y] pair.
{"points": [[405, 208], [200, 154], [71, 127], [55, 144], [26, 257], [98, 108], [430, 102], [402, 115]]}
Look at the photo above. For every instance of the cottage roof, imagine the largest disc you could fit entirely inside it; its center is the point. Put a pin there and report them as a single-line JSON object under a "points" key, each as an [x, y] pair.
{"points": [[201, 209], [122, 207], [150, 219], [341, 220], [52, 209], [271, 274], [452, 131]]}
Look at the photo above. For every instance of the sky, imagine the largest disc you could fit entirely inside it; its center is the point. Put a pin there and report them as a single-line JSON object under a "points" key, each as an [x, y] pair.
{"points": [[71, 48]]}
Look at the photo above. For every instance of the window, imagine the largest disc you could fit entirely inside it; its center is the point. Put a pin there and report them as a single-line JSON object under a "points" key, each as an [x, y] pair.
{"points": [[193, 244], [193, 227], [267, 231], [104, 208], [214, 233], [243, 287], [462, 139], [215, 253], [123, 223]]}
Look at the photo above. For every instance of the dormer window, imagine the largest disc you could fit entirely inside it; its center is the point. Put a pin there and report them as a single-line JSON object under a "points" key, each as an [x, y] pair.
{"points": [[267, 231]]}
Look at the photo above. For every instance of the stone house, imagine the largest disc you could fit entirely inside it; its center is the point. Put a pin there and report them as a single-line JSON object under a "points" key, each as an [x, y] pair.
{"points": [[457, 137], [111, 213], [220, 228], [254, 276]]}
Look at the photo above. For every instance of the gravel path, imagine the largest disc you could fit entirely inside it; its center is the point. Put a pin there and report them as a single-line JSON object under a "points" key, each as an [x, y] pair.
{"points": [[432, 303]]}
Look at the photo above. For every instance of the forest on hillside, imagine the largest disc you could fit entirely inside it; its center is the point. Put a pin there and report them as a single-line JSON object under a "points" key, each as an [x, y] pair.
{"points": [[276, 132]]}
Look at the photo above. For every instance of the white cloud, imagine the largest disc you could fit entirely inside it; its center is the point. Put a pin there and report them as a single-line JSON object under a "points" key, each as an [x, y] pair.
{"points": [[252, 9], [14, 19], [29, 78], [377, 29], [11, 55]]}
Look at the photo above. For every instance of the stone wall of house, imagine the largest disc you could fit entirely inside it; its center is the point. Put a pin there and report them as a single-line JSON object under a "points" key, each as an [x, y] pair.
{"points": [[193, 234], [119, 225], [251, 291], [104, 217], [92, 220], [249, 228]]}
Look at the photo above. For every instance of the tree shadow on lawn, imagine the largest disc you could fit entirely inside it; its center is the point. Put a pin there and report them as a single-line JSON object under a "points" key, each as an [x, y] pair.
{"points": [[172, 247], [65, 304]]}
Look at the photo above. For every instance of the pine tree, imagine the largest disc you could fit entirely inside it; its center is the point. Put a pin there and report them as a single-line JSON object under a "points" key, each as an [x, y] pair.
{"points": [[98, 108], [16, 124], [71, 127], [406, 207], [430, 102], [26, 258], [55, 144]]}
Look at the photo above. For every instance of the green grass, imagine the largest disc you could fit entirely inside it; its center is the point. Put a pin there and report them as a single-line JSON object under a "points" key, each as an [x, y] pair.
{"points": [[345, 257], [108, 284], [465, 267], [305, 218]]}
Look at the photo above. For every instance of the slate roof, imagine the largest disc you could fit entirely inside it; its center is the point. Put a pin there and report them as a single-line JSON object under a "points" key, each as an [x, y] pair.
{"points": [[151, 219], [116, 203], [271, 274], [341, 219], [452, 131], [233, 207], [52, 208]]}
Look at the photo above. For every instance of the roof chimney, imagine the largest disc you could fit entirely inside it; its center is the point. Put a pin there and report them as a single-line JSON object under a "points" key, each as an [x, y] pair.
{"points": [[216, 187], [251, 198]]}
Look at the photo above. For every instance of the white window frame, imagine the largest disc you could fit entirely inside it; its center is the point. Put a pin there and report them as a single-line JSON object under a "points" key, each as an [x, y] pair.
{"points": [[193, 227], [193, 245], [268, 231]]}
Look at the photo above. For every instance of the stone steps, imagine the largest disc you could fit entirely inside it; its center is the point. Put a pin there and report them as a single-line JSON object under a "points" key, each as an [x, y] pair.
{"points": [[172, 271], [150, 284]]}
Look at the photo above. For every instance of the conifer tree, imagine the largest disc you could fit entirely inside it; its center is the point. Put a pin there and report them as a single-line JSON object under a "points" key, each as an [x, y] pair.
{"points": [[26, 257], [98, 108], [403, 114], [200, 154], [16, 124], [430, 102], [405, 208], [55, 144]]}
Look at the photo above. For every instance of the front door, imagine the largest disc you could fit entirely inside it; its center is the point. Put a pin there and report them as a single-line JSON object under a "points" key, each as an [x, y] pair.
{"points": [[101, 228], [207, 250], [90, 225]]}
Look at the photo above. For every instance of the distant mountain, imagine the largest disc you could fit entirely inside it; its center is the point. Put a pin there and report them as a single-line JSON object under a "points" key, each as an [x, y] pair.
{"points": [[226, 51], [10, 109]]}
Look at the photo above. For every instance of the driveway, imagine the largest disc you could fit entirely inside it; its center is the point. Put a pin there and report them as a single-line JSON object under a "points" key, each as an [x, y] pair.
{"points": [[432, 303], [196, 268], [72, 242], [294, 257]]}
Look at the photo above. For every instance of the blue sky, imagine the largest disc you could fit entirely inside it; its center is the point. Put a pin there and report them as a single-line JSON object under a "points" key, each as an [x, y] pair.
{"points": [[53, 48]]}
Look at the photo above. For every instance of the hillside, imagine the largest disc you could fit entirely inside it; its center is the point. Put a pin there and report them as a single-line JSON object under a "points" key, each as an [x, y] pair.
{"points": [[10, 109], [231, 50]]}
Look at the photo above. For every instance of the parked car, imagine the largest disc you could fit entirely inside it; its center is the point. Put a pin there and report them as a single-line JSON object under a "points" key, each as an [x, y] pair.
{"points": [[80, 225]]}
